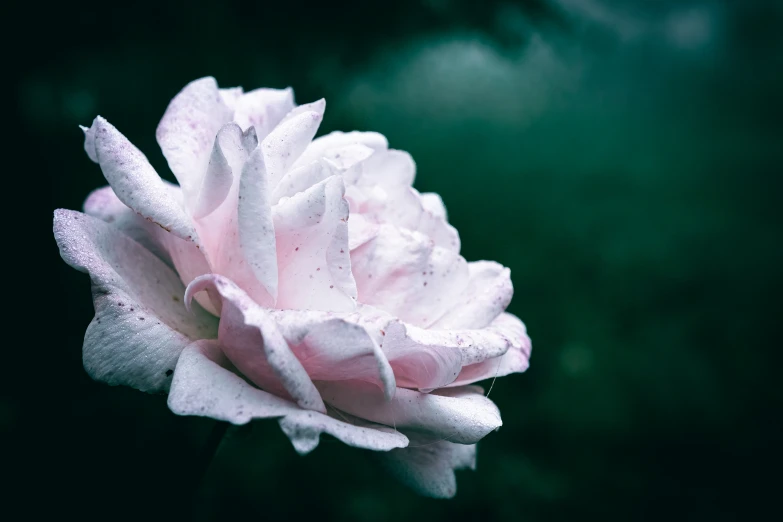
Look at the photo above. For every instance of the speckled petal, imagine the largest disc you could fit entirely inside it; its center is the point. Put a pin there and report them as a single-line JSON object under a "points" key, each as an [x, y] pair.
{"points": [[251, 340], [103, 204], [514, 360], [462, 415], [486, 297], [402, 273], [336, 348], [318, 147], [286, 143], [140, 324], [204, 386], [136, 183], [255, 225], [187, 131], [263, 109], [427, 465], [312, 249]]}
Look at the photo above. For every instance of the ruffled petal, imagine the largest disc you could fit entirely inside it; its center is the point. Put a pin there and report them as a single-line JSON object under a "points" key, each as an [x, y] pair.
{"points": [[462, 415], [203, 385], [336, 348], [263, 109], [230, 142], [103, 204], [488, 294], [402, 273], [137, 184], [427, 466], [187, 131], [312, 249], [318, 147], [251, 340], [514, 360], [140, 324], [286, 143], [255, 225]]}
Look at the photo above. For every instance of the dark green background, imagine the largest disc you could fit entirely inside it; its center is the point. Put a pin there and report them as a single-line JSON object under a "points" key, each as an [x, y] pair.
{"points": [[622, 158]]}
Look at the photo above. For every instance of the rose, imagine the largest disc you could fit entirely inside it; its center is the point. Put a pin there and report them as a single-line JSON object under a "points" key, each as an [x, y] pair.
{"points": [[370, 329]]}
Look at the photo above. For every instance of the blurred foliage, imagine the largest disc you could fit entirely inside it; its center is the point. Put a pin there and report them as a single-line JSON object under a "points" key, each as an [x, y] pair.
{"points": [[622, 158]]}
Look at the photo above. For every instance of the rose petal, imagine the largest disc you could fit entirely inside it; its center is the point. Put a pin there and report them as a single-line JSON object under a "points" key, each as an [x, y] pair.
{"points": [[312, 249], [187, 131], [427, 466], [263, 109], [230, 95], [255, 225], [402, 273], [301, 178], [317, 148], [219, 176], [136, 183], [202, 385], [251, 340], [433, 204], [335, 348], [486, 297], [286, 142], [515, 360], [140, 325], [460, 415], [103, 204], [89, 142], [318, 106]]}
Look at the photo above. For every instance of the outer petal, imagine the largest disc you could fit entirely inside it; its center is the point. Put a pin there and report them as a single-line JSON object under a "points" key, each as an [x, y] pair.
{"points": [[203, 385], [140, 325], [187, 131], [461, 415], [488, 293], [136, 183], [402, 273], [103, 204], [427, 465], [515, 360], [251, 340], [312, 249], [263, 109]]}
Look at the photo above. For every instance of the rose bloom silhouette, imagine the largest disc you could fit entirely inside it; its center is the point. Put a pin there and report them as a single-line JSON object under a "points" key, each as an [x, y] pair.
{"points": [[292, 278]]}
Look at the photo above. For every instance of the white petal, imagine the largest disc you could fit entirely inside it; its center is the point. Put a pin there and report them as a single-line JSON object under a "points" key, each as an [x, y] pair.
{"points": [[202, 385], [251, 340], [402, 273], [488, 294], [514, 360], [286, 142], [336, 348], [461, 415], [433, 204], [312, 249], [136, 183], [254, 219], [263, 109], [427, 466], [140, 324], [103, 204], [319, 146], [187, 131], [299, 179], [229, 143]]}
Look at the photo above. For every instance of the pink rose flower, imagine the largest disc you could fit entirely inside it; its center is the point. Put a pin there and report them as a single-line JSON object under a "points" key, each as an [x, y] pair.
{"points": [[246, 292]]}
